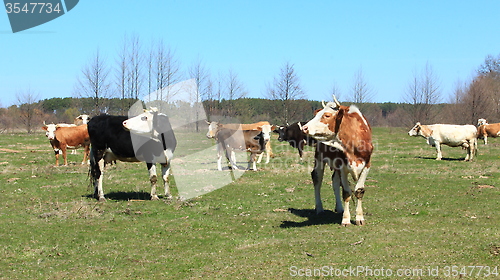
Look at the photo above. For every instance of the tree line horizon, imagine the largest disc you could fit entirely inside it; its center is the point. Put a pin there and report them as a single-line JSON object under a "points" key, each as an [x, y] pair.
{"points": [[105, 88]]}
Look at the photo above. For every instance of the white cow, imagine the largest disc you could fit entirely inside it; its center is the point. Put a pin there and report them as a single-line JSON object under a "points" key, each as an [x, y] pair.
{"points": [[464, 136]]}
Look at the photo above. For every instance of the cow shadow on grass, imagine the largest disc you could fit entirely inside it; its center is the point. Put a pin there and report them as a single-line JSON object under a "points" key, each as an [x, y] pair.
{"points": [[327, 217], [443, 159], [125, 196]]}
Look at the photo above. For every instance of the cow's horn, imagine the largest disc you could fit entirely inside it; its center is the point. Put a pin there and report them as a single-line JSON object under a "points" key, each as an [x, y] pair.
{"points": [[44, 123], [336, 101], [323, 103]]}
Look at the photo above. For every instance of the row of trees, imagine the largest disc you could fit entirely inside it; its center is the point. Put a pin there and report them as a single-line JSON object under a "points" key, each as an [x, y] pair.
{"points": [[105, 87]]}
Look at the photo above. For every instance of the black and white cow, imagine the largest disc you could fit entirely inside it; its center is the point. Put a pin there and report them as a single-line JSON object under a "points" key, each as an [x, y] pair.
{"points": [[230, 140], [294, 135], [152, 141]]}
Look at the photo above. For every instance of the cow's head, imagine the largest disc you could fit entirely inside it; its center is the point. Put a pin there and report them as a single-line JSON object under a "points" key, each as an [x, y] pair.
{"points": [[416, 130], [150, 123], [212, 129], [266, 131], [481, 122], [281, 133], [50, 130], [322, 126], [82, 119]]}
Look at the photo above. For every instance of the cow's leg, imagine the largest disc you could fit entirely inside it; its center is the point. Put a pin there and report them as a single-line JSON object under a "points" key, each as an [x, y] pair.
{"points": [[346, 194], [96, 172], [252, 161], [359, 191], [219, 156], [301, 148], [165, 170], [486, 139], [269, 151], [86, 150], [438, 149], [65, 154], [56, 153], [317, 177], [153, 179], [336, 190], [231, 157], [468, 155], [260, 157]]}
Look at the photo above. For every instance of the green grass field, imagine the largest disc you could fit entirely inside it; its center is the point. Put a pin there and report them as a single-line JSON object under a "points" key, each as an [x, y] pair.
{"points": [[425, 218]]}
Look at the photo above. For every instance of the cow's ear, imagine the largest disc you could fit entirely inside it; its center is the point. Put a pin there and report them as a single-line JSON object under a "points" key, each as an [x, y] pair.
{"points": [[315, 112], [44, 127]]}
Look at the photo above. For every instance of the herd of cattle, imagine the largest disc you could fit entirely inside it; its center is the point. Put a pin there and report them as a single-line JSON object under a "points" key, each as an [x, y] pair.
{"points": [[340, 135]]}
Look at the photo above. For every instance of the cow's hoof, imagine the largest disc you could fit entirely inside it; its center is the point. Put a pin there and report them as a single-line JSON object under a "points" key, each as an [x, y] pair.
{"points": [[346, 224], [155, 197], [102, 199], [360, 222]]}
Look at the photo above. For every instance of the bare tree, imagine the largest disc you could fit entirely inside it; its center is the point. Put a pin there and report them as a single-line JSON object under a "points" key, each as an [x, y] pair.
{"points": [[360, 91], [94, 82], [421, 94], [165, 68], [286, 88], [199, 72], [129, 71], [204, 88], [29, 109], [334, 91], [234, 87]]}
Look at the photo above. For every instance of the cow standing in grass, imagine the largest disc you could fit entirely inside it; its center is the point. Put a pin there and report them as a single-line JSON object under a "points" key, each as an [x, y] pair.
{"points": [[65, 136], [294, 135], [147, 137], [464, 136], [345, 143], [230, 140], [263, 126], [486, 130]]}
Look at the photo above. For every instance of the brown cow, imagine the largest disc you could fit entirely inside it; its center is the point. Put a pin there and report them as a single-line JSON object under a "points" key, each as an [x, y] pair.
{"points": [[486, 129], [230, 140], [263, 126], [346, 145], [63, 137]]}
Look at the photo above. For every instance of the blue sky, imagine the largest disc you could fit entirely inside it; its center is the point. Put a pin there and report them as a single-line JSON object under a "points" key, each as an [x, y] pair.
{"points": [[327, 41]]}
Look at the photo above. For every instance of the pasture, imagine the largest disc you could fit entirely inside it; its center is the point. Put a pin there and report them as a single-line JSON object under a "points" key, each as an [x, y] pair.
{"points": [[421, 214]]}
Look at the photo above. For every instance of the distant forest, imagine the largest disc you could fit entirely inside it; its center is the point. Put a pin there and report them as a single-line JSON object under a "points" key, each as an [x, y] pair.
{"points": [[30, 117]]}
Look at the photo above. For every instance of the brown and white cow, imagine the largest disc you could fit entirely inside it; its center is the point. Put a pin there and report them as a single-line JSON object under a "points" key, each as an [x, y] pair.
{"points": [[464, 136], [263, 126], [486, 130], [346, 145], [64, 136], [230, 140]]}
